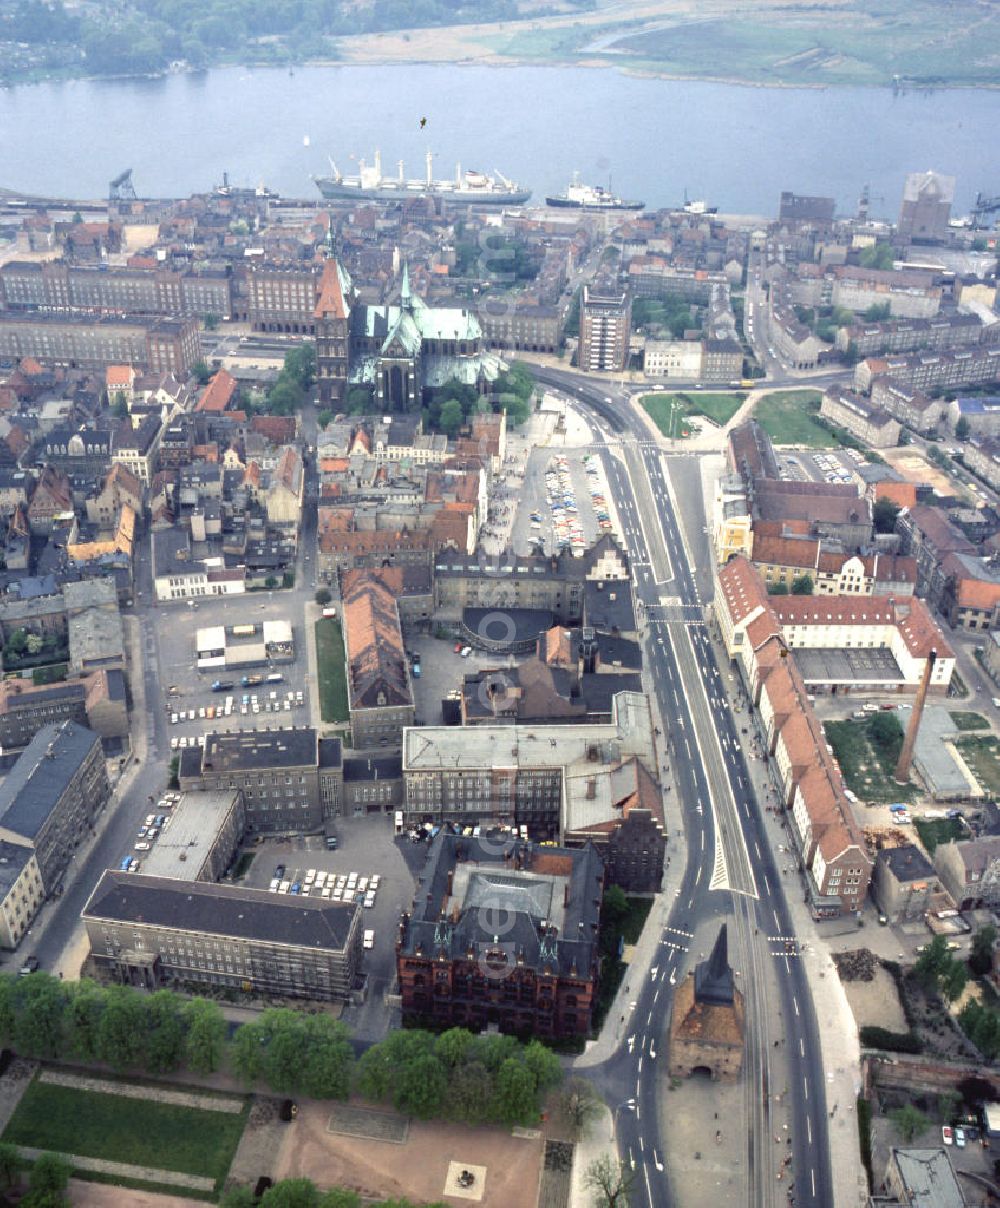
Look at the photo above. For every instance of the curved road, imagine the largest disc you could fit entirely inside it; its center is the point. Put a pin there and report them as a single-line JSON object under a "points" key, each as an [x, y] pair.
{"points": [[730, 871]]}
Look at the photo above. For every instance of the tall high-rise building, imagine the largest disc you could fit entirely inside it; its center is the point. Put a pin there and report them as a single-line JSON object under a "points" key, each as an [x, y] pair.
{"points": [[926, 208], [605, 319]]}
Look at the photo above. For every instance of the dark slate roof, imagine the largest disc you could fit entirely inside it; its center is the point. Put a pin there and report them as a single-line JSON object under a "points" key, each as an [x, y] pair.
{"points": [[245, 750], [13, 858], [224, 910], [713, 978], [599, 690], [507, 625], [39, 778], [497, 882], [608, 605], [330, 753], [908, 863], [375, 767]]}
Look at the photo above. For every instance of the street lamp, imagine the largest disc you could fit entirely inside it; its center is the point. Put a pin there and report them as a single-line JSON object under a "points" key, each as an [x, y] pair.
{"points": [[630, 1104]]}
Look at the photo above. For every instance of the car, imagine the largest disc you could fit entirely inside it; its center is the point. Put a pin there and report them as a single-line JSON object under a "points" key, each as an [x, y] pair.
{"points": [[960, 1137], [275, 883], [296, 888], [284, 887], [368, 940], [142, 845], [947, 1136], [174, 718], [174, 743], [31, 965], [279, 871], [150, 819], [458, 647], [369, 901], [374, 881]]}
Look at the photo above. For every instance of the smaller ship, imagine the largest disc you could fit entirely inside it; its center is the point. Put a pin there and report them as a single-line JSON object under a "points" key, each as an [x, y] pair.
{"points": [[698, 207], [590, 197]]}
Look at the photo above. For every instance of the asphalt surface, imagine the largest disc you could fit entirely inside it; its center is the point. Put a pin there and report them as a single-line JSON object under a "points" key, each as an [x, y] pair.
{"points": [[723, 826]]}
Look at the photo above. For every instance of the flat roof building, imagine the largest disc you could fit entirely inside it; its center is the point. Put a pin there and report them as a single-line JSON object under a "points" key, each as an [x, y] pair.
{"points": [[156, 931]]}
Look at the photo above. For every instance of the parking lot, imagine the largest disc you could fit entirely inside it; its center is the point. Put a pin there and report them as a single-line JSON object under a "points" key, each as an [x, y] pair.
{"points": [[187, 692], [555, 504], [366, 846], [828, 465], [441, 671]]}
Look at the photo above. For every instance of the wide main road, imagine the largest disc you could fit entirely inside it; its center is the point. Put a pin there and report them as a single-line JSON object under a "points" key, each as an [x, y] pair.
{"points": [[730, 870]]}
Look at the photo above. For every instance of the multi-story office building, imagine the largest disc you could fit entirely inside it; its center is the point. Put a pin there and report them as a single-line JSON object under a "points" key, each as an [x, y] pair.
{"points": [[909, 335], [928, 371], [282, 297], [52, 796], [291, 779], [858, 416], [21, 892], [540, 976], [57, 285], [157, 345], [605, 323], [204, 836], [151, 932], [520, 326]]}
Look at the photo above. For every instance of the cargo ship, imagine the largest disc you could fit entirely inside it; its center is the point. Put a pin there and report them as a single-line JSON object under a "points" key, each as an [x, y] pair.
{"points": [[591, 197], [468, 188]]}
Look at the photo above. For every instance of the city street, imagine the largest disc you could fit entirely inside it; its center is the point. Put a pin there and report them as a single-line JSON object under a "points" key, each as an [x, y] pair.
{"points": [[722, 822]]}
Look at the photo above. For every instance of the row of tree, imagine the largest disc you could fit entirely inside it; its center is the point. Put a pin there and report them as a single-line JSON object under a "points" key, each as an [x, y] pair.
{"points": [[457, 1075], [455, 403], [48, 1178], [45, 1017], [291, 389]]}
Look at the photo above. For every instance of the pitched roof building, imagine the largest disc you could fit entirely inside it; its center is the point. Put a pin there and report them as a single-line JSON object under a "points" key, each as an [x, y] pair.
{"points": [[378, 680]]}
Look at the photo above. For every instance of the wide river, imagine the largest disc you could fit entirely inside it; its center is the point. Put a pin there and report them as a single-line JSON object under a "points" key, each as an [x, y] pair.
{"points": [[735, 146]]}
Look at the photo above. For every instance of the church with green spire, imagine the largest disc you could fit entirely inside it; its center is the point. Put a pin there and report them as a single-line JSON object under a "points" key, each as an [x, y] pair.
{"points": [[400, 351]]}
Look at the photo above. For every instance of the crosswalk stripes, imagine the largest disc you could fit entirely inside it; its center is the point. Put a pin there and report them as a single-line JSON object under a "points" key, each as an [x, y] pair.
{"points": [[671, 944], [680, 931], [720, 870]]}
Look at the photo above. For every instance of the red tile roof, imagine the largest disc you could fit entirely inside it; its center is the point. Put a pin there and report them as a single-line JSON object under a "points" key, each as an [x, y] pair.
{"points": [[219, 393]]}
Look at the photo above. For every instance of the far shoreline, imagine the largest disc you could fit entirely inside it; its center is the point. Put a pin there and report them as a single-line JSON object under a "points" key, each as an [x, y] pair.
{"points": [[508, 63]]}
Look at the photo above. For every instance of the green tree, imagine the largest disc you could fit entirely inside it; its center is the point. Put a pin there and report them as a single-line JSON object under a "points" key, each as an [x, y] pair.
{"points": [[359, 400], [39, 1023], [884, 513], [933, 961], [516, 1096], [877, 312], [291, 1193], [205, 1043], [34, 644], [325, 418], [83, 1012], [49, 1176], [212, 322], [330, 1059], [451, 417], [246, 1051], [885, 731], [122, 1033], [494, 1050], [962, 429], [238, 1197], [610, 1180], [614, 907], [118, 406], [544, 1066], [983, 943], [174, 772], [323, 597], [201, 372], [8, 1011], [11, 1165], [375, 1074], [470, 1093], [909, 1121], [452, 1048], [341, 1197], [954, 980], [802, 585], [285, 397], [579, 1105], [17, 643], [777, 589], [164, 1050], [420, 1087]]}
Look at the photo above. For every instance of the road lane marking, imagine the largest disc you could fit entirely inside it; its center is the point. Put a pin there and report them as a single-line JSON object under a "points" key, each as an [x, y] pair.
{"points": [[795, 1004], [805, 1083], [809, 1129]]}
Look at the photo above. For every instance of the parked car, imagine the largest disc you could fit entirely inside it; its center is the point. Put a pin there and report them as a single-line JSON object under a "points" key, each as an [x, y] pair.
{"points": [[960, 1137], [368, 940], [947, 1136]]}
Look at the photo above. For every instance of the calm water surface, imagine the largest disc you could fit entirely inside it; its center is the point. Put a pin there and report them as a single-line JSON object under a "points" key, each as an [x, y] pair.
{"points": [[737, 147]]}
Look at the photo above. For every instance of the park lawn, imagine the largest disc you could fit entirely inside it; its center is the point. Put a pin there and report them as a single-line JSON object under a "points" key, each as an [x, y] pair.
{"points": [[983, 757], [966, 720], [143, 1132], [789, 418], [332, 670], [863, 771], [719, 408]]}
